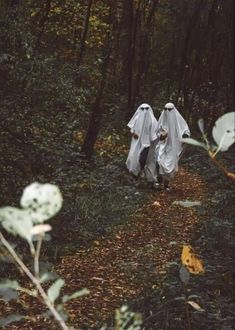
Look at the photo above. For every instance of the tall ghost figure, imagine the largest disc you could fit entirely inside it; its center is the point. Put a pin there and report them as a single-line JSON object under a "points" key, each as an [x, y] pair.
{"points": [[143, 127], [169, 148]]}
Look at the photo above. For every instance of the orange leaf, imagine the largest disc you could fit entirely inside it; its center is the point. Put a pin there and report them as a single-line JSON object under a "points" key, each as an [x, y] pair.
{"points": [[191, 261]]}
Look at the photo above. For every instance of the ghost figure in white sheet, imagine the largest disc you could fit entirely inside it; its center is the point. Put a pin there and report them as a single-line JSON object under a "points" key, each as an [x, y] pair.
{"points": [[169, 149], [143, 126]]}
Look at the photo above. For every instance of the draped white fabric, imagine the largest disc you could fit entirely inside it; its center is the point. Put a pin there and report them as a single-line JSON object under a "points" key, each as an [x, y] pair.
{"points": [[144, 124], [169, 150]]}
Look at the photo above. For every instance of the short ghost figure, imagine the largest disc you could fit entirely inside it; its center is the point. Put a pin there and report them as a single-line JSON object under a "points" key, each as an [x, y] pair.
{"points": [[141, 157], [171, 128]]}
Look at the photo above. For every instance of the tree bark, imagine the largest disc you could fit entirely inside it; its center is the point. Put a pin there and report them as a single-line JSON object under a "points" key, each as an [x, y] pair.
{"points": [[144, 52], [96, 114], [131, 58], [186, 49], [84, 35], [97, 110], [42, 23]]}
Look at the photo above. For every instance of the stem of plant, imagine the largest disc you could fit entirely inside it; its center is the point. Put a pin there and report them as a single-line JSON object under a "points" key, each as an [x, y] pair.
{"points": [[230, 175], [36, 256], [35, 282]]}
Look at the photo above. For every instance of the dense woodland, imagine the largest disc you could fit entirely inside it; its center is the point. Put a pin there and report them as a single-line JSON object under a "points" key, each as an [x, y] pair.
{"points": [[72, 73], [92, 59]]}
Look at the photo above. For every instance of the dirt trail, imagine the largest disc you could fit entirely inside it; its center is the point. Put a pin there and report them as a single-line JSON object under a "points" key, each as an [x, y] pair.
{"points": [[124, 265]]}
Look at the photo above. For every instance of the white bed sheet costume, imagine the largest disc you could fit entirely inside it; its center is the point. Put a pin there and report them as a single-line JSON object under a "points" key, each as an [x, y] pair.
{"points": [[168, 151], [144, 125]]}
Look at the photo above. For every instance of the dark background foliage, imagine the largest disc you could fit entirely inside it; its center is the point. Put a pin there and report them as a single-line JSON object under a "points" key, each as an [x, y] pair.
{"points": [[71, 75], [86, 60]]}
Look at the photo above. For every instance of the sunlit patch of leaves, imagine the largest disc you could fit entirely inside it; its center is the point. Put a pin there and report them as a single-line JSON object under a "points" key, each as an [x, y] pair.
{"points": [[106, 146]]}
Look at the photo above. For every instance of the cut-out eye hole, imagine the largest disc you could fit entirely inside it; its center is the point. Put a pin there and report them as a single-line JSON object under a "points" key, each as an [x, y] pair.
{"points": [[169, 109], [228, 131], [144, 108]]}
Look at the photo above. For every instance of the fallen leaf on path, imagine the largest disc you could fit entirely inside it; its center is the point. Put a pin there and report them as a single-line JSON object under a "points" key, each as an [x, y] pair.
{"points": [[195, 306], [156, 203], [191, 261], [187, 203]]}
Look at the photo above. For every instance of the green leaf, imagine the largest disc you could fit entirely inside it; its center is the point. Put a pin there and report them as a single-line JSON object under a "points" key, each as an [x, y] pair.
{"points": [[193, 296], [6, 258], [9, 284], [62, 312], [224, 131], [16, 222], [48, 277], [201, 125], [46, 237], [181, 298], [42, 201], [54, 291], [184, 275], [75, 295], [8, 294], [10, 318], [194, 142], [172, 263]]}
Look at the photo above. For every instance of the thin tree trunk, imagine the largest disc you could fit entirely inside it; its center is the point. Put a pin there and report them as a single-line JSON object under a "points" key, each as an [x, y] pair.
{"points": [[232, 73], [42, 23], [84, 35], [143, 52], [186, 47], [131, 60], [97, 110], [96, 114], [130, 54]]}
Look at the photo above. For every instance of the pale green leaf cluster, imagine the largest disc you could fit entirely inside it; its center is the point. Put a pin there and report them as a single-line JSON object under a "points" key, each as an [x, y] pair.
{"points": [[224, 131], [39, 203], [223, 134]]}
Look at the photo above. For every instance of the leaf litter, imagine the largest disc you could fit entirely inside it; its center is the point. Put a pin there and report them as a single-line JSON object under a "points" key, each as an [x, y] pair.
{"points": [[111, 269], [123, 265]]}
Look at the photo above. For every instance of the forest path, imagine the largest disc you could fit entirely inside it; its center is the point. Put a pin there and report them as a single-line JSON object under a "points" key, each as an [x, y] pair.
{"points": [[131, 260]]}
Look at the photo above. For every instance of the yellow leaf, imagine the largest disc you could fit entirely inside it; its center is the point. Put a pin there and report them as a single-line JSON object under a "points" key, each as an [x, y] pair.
{"points": [[57, 10], [33, 13], [82, 185], [191, 261]]}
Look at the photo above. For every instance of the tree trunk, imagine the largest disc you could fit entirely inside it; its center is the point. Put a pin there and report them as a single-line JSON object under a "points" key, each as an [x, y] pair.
{"points": [[186, 48], [96, 114], [84, 35], [131, 59], [42, 24], [97, 110], [143, 52]]}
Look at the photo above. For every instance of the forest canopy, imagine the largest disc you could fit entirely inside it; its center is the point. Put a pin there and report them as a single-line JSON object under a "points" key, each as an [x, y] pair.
{"points": [[95, 58]]}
